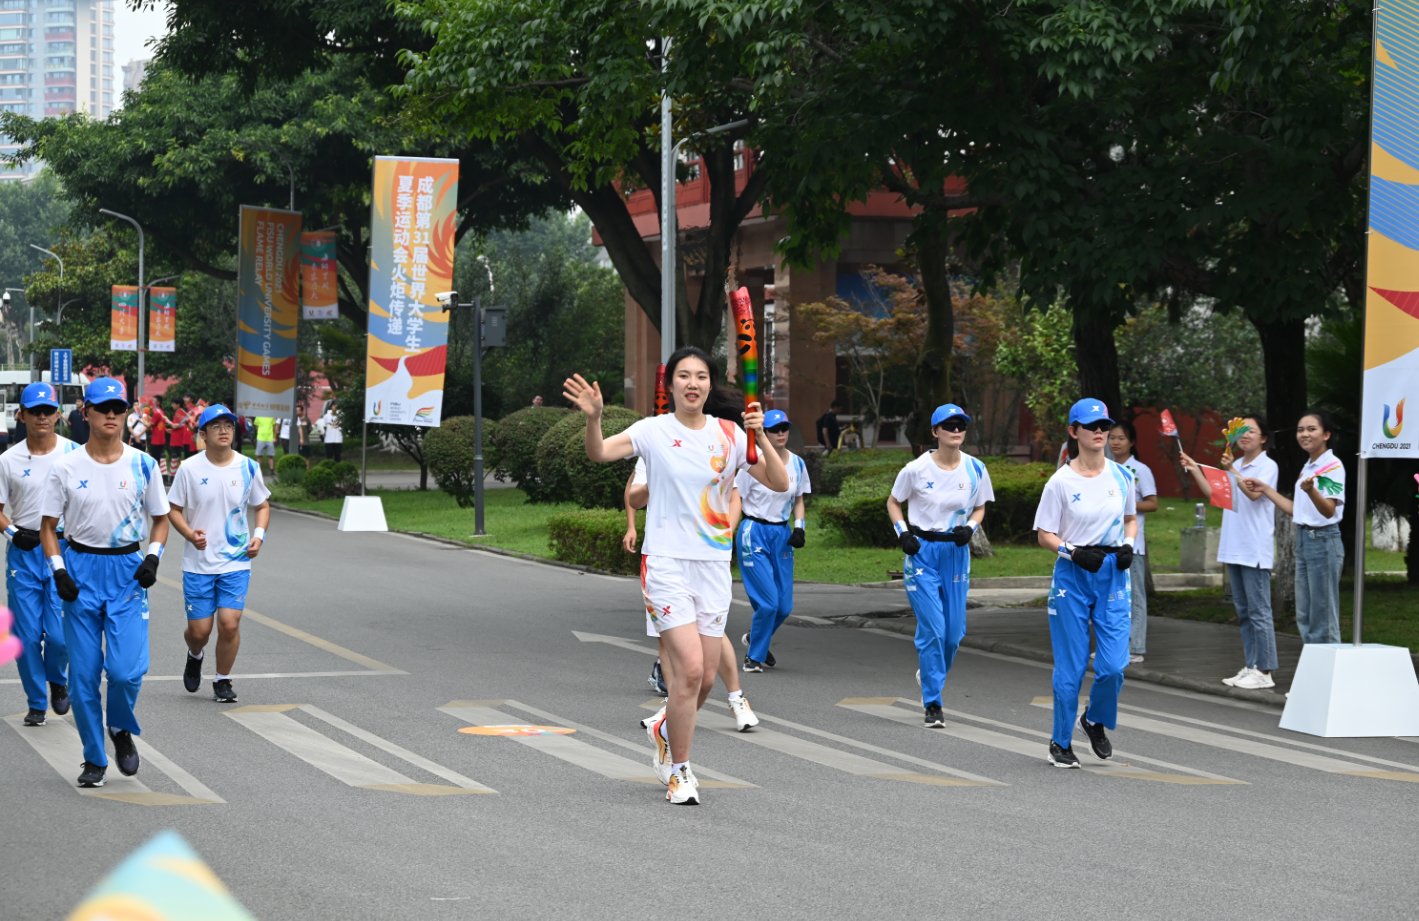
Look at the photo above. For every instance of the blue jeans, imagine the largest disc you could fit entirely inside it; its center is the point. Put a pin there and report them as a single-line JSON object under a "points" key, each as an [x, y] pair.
{"points": [[1251, 595], [1138, 616], [1319, 556]]}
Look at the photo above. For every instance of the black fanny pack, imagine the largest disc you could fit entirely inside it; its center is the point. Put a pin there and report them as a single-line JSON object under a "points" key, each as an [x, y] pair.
{"points": [[762, 521], [930, 536]]}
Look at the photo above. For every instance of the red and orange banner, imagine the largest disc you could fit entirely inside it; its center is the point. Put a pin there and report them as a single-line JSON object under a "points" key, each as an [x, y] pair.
{"points": [[319, 296], [268, 311], [123, 321], [162, 319]]}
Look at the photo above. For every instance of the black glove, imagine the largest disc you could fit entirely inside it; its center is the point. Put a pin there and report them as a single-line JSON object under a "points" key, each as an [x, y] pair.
{"points": [[1090, 559], [1124, 557], [66, 586], [147, 572], [910, 545], [960, 535], [25, 538], [796, 539]]}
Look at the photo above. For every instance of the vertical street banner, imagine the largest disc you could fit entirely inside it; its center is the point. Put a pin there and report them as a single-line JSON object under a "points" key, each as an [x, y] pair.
{"points": [[162, 319], [412, 221], [1392, 270], [123, 321], [319, 299], [268, 311]]}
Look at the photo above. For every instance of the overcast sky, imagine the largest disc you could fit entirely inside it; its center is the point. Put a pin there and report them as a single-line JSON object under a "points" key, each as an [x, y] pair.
{"points": [[131, 32]]}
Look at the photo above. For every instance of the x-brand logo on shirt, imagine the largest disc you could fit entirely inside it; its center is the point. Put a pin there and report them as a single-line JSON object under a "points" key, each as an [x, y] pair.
{"points": [[83, 484], [930, 484], [204, 481], [111, 389], [676, 443], [665, 610], [1076, 498], [25, 474], [1060, 593]]}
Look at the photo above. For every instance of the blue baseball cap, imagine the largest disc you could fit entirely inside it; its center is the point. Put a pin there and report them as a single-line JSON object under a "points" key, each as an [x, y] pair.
{"points": [[948, 411], [38, 394], [213, 413], [1089, 410], [105, 390], [774, 418]]}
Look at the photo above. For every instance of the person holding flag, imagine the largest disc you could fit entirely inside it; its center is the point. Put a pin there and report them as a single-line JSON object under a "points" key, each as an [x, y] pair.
{"points": [[1122, 440], [212, 496], [103, 494], [1087, 516], [29, 585], [945, 491], [1247, 547]]}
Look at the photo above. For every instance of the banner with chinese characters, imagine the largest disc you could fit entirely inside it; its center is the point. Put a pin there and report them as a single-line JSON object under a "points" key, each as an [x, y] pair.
{"points": [[319, 299], [162, 319], [412, 222], [1392, 271], [123, 320], [268, 311], [1221, 485]]}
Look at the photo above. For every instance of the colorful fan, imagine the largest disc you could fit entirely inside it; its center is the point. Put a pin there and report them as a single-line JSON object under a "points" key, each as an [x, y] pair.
{"points": [[1325, 484], [1236, 428]]}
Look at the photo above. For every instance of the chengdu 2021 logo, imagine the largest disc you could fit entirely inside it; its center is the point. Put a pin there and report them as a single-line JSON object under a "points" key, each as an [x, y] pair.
{"points": [[1392, 431]]}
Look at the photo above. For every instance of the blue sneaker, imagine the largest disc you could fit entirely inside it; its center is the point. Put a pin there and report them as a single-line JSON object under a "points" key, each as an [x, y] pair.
{"points": [[657, 679]]}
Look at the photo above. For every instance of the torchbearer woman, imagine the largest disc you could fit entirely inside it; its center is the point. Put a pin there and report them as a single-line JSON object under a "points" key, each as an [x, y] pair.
{"points": [[946, 491], [1087, 516], [105, 494], [691, 459]]}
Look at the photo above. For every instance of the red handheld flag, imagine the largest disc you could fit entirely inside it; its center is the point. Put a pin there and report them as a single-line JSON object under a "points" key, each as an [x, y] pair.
{"points": [[1166, 425], [747, 342], [1221, 485]]}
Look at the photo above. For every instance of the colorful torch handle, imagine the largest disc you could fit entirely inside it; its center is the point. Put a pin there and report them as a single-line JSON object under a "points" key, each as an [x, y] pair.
{"points": [[662, 395], [747, 342]]}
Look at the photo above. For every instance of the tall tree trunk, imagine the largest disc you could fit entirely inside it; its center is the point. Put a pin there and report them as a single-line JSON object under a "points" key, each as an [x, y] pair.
{"points": [[1283, 350], [1097, 356], [932, 378]]}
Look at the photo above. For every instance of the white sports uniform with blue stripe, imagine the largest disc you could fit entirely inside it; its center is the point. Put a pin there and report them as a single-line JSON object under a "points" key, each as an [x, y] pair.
{"points": [[765, 558], [1088, 511], [215, 500]]}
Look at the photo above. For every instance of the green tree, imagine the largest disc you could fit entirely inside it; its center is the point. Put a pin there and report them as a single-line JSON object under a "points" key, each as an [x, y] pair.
{"points": [[1203, 360], [1038, 353]]}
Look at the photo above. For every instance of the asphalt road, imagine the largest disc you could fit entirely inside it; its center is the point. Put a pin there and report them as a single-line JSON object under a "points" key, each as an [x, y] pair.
{"points": [[340, 785]]}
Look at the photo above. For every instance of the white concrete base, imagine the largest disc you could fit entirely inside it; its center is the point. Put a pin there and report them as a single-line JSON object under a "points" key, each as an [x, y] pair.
{"points": [[1342, 690], [362, 513]]}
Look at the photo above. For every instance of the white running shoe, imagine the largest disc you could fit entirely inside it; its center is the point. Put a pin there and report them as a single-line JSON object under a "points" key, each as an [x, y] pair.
{"points": [[1256, 681], [655, 717], [661, 759], [918, 677], [683, 789], [1134, 659], [1232, 681], [744, 716]]}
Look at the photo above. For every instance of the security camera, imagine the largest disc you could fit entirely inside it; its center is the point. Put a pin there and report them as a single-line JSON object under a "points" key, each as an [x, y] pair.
{"points": [[446, 297]]}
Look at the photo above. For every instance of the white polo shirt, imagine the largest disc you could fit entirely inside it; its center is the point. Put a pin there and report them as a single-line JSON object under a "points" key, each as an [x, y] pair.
{"points": [[104, 505], [939, 499], [766, 504], [1249, 526], [1304, 511], [22, 480], [1087, 511]]}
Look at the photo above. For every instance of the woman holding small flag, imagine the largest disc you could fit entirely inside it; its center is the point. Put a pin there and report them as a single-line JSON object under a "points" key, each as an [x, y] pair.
{"points": [[1316, 510], [1247, 548]]}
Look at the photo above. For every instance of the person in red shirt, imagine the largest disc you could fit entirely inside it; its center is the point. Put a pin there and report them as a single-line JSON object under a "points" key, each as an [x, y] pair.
{"points": [[179, 435], [158, 440]]}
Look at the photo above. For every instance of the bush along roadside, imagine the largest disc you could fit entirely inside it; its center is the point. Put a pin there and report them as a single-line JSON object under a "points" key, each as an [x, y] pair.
{"points": [[331, 480], [592, 538], [449, 451], [568, 474], [291, 469], [516, 440]]}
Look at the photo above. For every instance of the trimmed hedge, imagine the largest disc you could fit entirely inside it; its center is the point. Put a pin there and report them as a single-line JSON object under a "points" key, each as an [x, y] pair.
{"points": [[291, 469], [1011, 517], [331, 480], [592, 538], [568, 474], [839, 466], [859, 511], [448, 450], [515, 439]]}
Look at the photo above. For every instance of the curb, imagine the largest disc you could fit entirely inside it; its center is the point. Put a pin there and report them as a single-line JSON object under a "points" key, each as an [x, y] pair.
{"points": [[1135, 673]]}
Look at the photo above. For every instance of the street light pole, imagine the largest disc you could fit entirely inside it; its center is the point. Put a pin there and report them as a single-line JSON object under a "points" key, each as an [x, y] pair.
{"points": [[142, 310], [59, 298], [667, 213]]}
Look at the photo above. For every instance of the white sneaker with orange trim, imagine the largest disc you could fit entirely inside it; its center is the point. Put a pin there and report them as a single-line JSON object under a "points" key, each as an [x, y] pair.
{"points": [[744, 718], [683, 789], [661, 759]]}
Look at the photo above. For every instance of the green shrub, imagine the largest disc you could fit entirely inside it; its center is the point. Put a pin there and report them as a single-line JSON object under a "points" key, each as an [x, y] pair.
{"points": [[291, 469], [1011, 517], [515, 442], [837, 467], [859, 511], [592, 538], [449, 452], [569, 475], [331, 480]]}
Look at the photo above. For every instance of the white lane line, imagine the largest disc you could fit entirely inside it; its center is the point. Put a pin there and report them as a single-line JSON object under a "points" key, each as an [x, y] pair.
{"points": [[1033, 747], [58, 743], [384, 745], [617, 641], [329, 756]]}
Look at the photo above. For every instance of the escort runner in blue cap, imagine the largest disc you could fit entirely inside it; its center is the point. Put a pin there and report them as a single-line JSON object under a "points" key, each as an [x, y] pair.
{"points": [[767, 541], [211, 496], [1088, 517], [103, 494], [39, 620], [945, 491]]}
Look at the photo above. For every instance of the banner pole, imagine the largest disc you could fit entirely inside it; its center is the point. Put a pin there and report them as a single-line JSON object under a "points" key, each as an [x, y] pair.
{"points": [[1360, 490], [364, 455]]}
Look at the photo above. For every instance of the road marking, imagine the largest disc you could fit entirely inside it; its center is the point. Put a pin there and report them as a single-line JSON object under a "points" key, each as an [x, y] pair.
{"points": [[617, 641], [573, 750], [58, 743], [1032, 747], [271, 722], [1238, 741]]}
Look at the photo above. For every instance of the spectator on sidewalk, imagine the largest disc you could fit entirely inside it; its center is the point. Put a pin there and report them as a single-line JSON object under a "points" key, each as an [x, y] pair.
{"points": [[334, 438], [827, 426], [266, 444], [1122, 439], [78, 425]]}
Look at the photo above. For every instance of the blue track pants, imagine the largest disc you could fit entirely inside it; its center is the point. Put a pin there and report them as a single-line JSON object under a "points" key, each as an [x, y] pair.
{"points": [[1077, 600], [937, 580], [766, 566], [39, 623]]}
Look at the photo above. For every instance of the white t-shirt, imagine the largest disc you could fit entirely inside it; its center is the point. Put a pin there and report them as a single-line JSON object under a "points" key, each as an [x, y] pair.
{"points": [[22, 480], [1146, 486], [1249, 526], [215, 500], [1303, 510], [939, 499], [1087, 511], [638, 476], [104, 505], [333, 435], [765, 503], [691, 478]]}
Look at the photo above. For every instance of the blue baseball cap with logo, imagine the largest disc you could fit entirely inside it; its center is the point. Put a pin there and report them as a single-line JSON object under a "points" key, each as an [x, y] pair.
{"points": [[948, 411], [774, 418], [1089, 410], [213, 413], [105, 390], [38, 394]]}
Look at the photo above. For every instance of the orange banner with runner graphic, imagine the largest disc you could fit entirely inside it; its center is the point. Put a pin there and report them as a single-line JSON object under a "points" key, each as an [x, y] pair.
{"points": [[162, 319], [123, 320]]}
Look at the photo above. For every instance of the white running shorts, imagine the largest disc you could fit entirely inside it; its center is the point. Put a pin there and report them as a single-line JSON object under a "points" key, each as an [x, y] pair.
{"points": [[679, 592]]}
